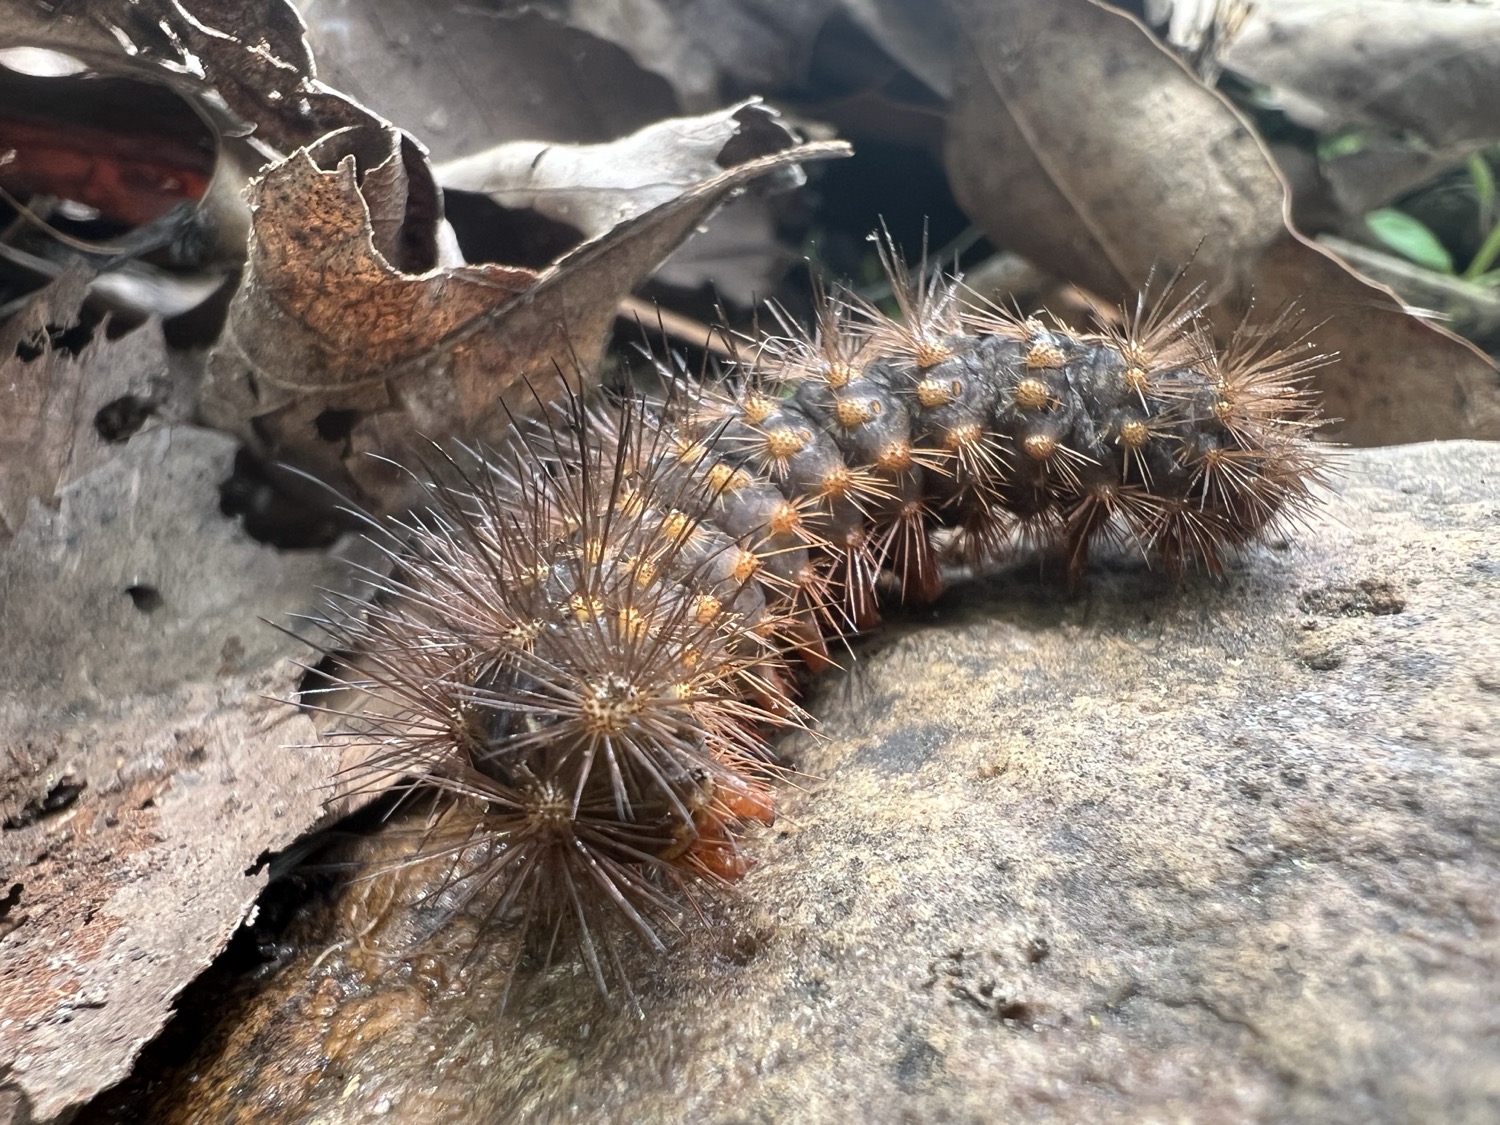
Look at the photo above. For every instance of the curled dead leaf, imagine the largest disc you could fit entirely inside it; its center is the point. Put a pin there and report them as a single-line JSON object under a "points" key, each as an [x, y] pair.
{"points": [[332, 349], [594, 188], [254, 53]]}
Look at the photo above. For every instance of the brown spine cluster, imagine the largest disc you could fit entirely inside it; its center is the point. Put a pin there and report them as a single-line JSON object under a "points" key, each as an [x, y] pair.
{"points": [[588, 636]]}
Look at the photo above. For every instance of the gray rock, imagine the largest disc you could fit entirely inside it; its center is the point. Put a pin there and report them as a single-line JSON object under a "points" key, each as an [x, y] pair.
{"points": [[1219, 853]]}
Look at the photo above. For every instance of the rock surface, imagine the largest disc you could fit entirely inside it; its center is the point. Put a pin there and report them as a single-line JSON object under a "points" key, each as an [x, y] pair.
{"points": [[1224, 853]]}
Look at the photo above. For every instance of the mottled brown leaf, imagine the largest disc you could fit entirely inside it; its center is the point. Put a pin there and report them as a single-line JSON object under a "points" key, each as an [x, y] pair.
{"points": [[325, 326], [321, 290]]}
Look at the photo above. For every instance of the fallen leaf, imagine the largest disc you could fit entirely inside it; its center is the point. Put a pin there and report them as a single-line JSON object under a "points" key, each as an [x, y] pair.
{"points": [[94, 32], [594, 188], [1398, 377], [1423, 77], [193, 45], [1077, 141], [1080, 142], [331, 350], [1430, 71], [464, 78], [267, 79]]}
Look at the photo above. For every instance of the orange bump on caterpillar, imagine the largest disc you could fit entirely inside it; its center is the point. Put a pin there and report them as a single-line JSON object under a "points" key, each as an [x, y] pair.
{"points": [[586, 638]]}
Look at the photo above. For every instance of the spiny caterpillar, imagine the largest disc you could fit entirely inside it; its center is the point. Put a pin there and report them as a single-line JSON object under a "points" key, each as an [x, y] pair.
{"points": [[588, 636]]}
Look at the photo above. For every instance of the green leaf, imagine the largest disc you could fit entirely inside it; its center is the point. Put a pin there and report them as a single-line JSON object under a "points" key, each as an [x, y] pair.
{"points": [[1346, 143], [1410, 238]]}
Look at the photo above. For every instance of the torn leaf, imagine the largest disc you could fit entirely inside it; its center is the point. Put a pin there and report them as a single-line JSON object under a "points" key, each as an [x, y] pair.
{"points": [[332, 350]]}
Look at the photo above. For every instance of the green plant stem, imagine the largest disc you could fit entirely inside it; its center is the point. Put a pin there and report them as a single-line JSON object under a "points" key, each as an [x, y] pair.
{"points": [[1485, 258], [1483, 178]]}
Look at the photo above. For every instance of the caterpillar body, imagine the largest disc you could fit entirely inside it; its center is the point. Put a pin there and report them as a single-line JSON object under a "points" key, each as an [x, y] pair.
{"points": [[588, 637]]}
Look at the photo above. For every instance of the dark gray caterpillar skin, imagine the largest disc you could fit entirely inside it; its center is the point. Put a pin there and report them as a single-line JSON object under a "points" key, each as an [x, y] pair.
{"points": [[1007, 433], [586, 642]]}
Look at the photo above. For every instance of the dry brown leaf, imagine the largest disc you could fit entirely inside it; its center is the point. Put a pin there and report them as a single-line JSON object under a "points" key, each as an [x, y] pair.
{"points": [[1080, 143], [146, 769], [1398, 377], [1077, 140], [331, 350], [267, 77]]}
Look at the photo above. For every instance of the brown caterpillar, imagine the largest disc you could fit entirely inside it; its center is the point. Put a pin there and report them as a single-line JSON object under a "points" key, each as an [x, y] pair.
{"points": [[589, 635]]}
